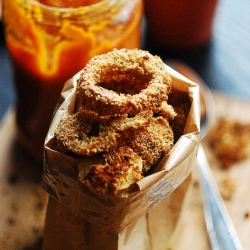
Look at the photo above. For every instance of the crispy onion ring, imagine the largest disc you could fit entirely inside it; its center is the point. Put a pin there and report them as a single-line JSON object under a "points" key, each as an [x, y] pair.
{"points": [[124, 82], [131, 159], [128, 163], [82, 133], [152, 142], [119, 170]]}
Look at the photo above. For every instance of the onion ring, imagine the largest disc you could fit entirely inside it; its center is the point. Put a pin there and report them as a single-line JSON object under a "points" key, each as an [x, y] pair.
{"points": [[127, 164], [124, 82], [152, 142], [119, 170], [83, 134]]}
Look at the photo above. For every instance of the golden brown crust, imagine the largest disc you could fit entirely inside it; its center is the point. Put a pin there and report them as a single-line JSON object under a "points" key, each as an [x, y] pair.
{"points": [[120, 169], [84, 133], [229, 141], [124, 82], [152, 142]]}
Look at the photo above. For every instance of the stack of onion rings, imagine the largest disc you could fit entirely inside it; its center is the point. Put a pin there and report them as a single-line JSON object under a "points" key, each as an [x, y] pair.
{"points": [[123, 114]]}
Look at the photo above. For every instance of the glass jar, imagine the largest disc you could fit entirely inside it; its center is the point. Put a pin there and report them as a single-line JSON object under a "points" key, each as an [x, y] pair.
{"points": [[48, 45]]}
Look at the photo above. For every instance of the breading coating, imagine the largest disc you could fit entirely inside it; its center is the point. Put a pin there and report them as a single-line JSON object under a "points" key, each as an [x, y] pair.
{"points": [[84, 134], [125, 82], [230, 141], [121, 168], [122, 119], [152, 142]]}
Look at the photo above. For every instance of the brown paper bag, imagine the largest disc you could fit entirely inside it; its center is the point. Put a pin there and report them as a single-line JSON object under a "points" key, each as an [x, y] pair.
{"points": [[140, 218]]}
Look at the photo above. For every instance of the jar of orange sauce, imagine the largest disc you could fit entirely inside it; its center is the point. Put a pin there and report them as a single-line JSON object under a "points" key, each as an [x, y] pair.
{"points": [[49, 41]]}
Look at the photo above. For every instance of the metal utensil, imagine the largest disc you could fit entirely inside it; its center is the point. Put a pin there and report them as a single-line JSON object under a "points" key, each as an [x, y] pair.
{"points": [[220, 228]]}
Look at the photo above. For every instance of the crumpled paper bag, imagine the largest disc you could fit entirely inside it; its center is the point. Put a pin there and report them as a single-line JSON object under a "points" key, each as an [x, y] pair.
{"points": [[143, 217]]}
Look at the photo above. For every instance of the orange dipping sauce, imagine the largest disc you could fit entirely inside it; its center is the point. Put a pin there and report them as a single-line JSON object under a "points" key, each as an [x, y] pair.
{"points": [[68, 3]]}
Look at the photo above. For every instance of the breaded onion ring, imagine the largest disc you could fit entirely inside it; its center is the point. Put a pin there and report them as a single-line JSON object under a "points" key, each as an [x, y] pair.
{"points": [[124, 82], [152, 142], [127, 164], [83, 133], [119, 170]]}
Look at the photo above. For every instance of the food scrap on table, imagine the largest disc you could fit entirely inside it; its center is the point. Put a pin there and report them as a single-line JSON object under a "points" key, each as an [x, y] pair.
{"points": [[230, 141], [227, 187], [246, 215]]}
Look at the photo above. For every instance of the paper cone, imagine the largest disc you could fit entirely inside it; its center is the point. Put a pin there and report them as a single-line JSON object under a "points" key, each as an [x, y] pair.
{"points": [[140, 218]]}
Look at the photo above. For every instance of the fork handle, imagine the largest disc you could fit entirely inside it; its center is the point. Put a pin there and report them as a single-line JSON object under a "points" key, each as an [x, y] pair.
{"points": [[220, 228]]}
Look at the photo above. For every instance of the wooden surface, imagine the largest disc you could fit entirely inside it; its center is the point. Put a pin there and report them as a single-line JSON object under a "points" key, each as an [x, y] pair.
{"points": [[192, 230], [23, 201], [22, 198]]}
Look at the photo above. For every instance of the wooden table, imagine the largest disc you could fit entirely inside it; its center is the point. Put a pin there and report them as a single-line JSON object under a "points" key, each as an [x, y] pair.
{"points": [[22, 198], [23, 201], [192, 231]]}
